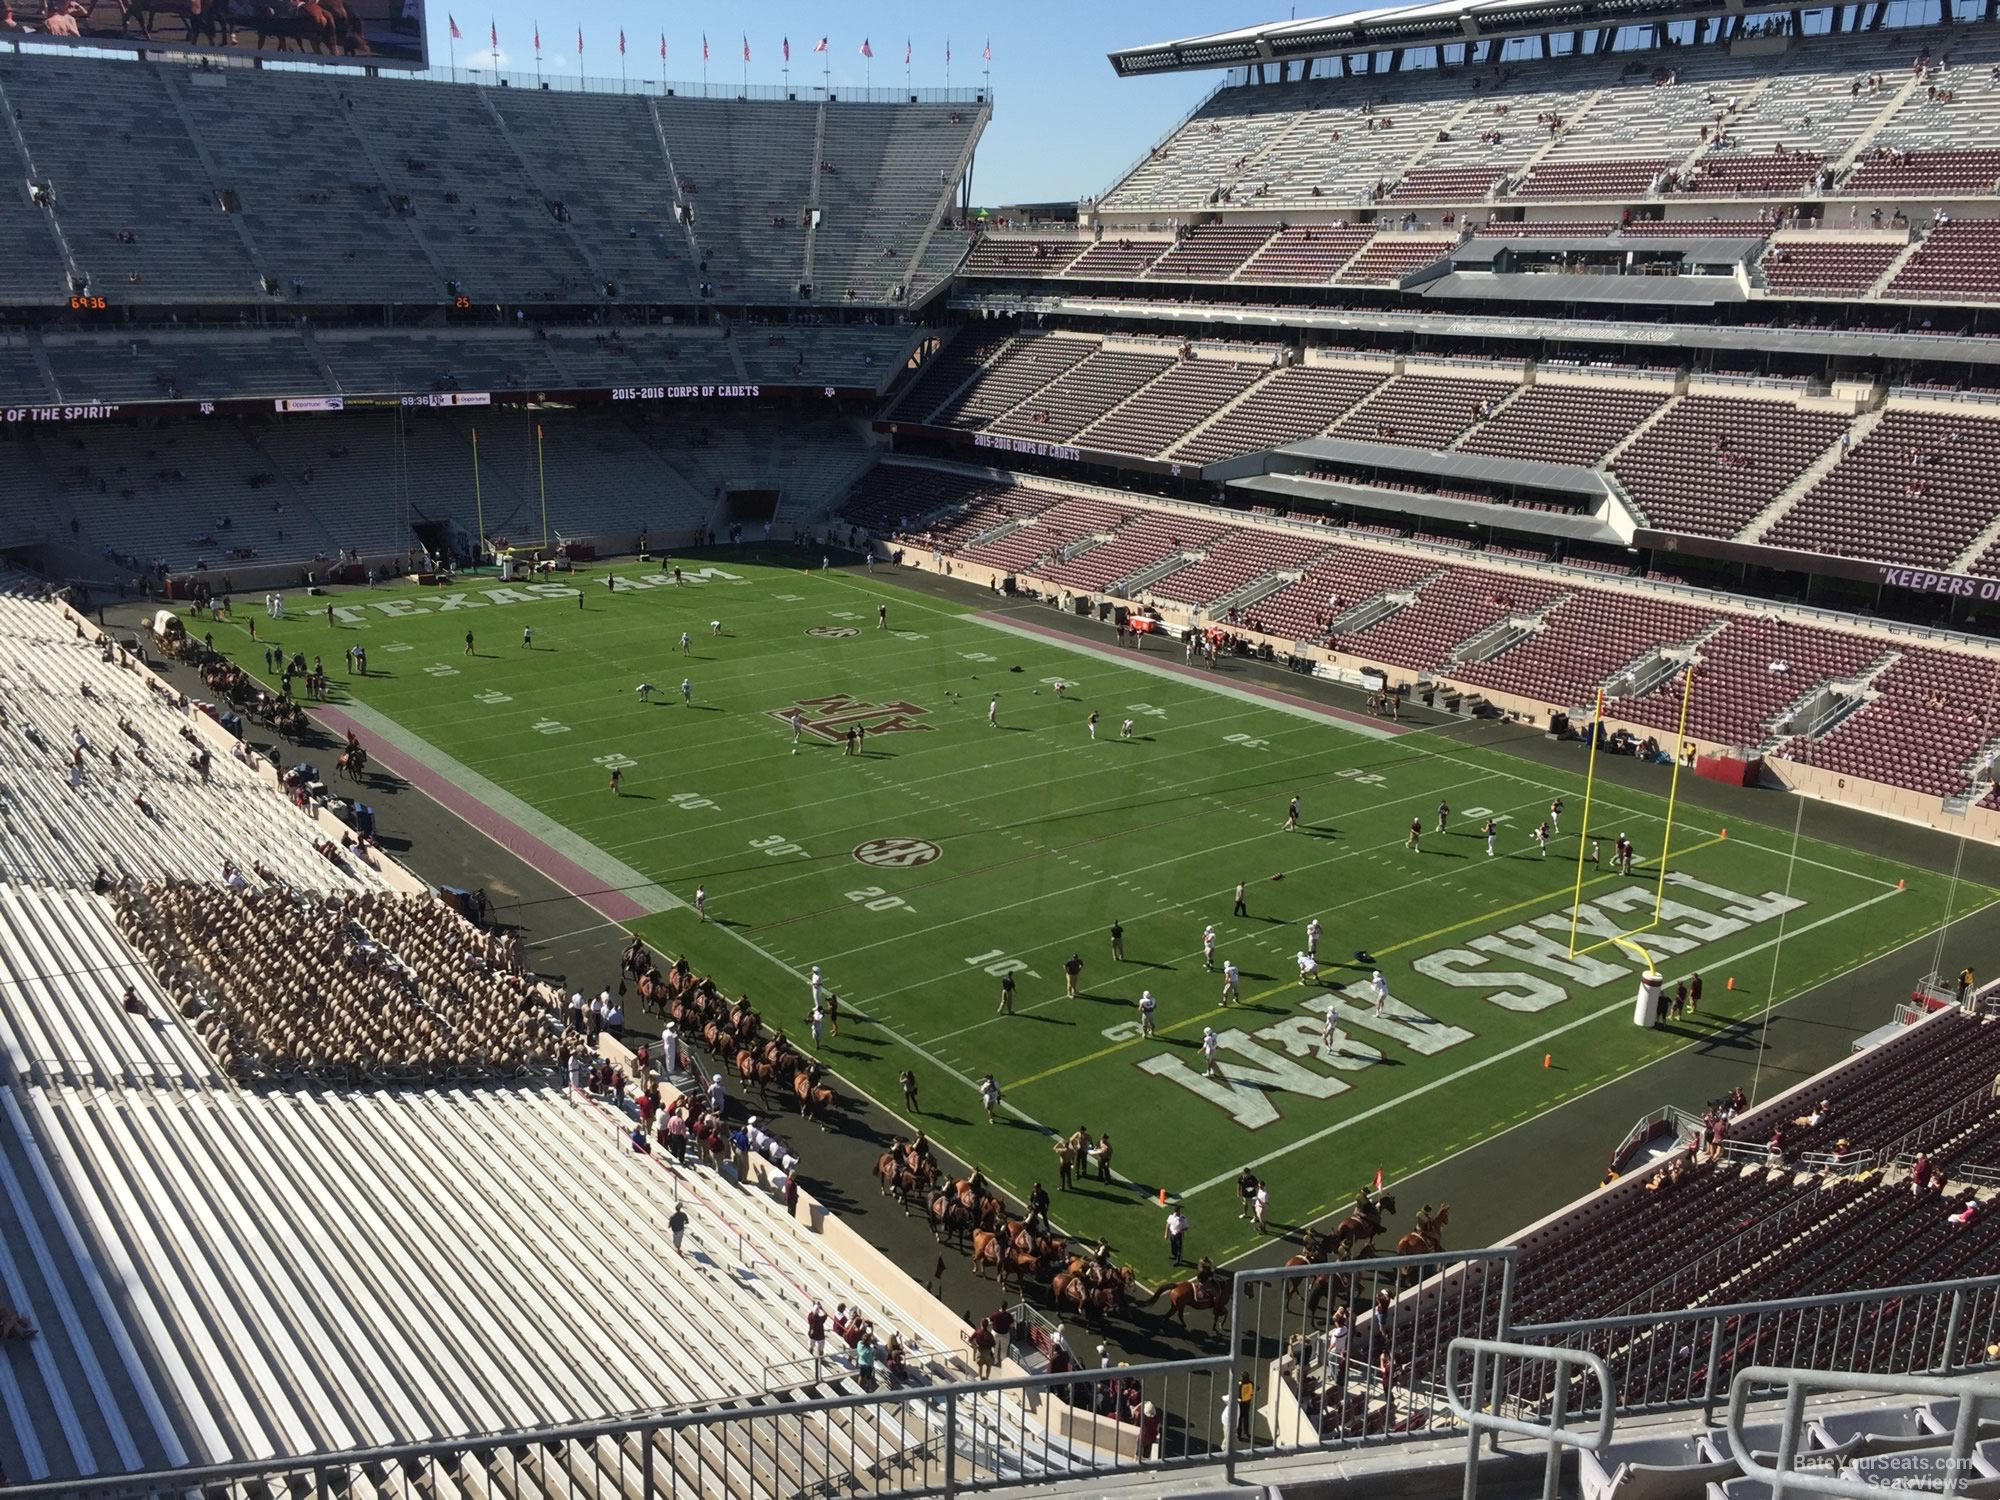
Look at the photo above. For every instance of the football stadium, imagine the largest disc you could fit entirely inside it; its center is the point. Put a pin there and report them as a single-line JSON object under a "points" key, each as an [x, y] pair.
{"points": [[682, 815]]}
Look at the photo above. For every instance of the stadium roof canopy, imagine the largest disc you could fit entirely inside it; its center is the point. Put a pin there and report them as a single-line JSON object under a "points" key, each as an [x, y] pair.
{"points": [[1394, 26]]}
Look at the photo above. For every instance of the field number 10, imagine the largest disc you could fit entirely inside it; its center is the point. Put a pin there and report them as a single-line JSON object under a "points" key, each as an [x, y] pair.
{"points": [[998, 964]]}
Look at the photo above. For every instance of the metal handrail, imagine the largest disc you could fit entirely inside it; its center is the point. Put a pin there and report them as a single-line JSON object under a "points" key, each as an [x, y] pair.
{"points": [[456, 1450], [1472, 1412]]}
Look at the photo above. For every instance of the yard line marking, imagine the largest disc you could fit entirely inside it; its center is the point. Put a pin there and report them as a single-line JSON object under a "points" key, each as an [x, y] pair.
{"points": [[1270, 698], [1281, 938], [1461, 1149], [1575, 777], [893, 1035], [1480, 919], [1518, 1048]]}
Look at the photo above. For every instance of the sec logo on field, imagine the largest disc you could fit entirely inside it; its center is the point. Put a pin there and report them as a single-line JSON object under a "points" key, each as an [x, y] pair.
{"points": [[833, 632], [897, 854]]}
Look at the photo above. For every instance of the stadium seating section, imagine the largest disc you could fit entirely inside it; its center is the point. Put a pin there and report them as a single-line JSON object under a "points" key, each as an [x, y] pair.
{"points": [[1875, 707], [415, 191]]}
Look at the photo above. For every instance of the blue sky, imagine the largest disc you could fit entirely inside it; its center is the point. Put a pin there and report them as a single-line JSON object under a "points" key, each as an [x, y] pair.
{"points": [[1063, 125]]}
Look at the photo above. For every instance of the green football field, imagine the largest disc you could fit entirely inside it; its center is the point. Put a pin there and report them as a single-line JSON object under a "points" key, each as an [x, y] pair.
{"points": [[953, 852]]}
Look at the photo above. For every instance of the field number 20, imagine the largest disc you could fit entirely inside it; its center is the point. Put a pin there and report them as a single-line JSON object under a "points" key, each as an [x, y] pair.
{"points": [[874, 898]]}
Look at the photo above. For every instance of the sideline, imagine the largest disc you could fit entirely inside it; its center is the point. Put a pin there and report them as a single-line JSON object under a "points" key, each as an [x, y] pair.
{"points": [[1263, 697], [609, 886]]}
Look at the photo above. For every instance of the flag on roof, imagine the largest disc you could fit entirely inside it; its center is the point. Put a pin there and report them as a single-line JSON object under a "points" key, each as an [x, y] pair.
{"points": [[538, 36], [452, 22], [866, 50], [906, 52], [704, 46], [987, 55], [579, 41], [820, 45], [621, 41], [788, 49], [746, 49]]}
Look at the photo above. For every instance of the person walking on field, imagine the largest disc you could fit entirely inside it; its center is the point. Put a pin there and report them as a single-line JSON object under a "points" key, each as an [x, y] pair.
{"points": [[908, 1080], [1241, 908], [1007, 995], [1146, 1006], [1117, 941], [989, 1095], [1072, 970]]}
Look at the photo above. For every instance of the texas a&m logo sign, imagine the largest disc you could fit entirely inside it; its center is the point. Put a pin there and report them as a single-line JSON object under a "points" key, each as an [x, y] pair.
{"points": [[830, 718]]}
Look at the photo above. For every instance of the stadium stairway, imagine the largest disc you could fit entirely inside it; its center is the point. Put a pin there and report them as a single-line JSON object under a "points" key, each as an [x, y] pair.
{"points": [[366, 146], [1781, 504], [455, 1283], [550, 192], [1222, 411], [813, 214], [170, 86], [63, 968], [1977, 548], [912, 272], [1881, 284]]}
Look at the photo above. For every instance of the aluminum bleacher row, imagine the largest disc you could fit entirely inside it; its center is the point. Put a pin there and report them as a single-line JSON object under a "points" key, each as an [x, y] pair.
{"points": [[1881, 708], [54, 686], [233, 1336], [418, 191], [1696, 122]]}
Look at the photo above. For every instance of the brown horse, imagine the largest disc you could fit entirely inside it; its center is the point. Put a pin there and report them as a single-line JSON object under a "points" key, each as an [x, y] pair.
{"points": [[348, 32], [897, 1178], [815, 1102], [1317, 1285], [1181, 1295], [303, 21], [204, 19], [1357, 1234], [1427, 1239], [1093, 1302], [990, 1249], [948, 1217]]}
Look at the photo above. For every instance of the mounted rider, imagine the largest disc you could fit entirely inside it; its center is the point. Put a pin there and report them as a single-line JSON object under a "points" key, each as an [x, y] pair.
{"points": [[1208, 1282]]}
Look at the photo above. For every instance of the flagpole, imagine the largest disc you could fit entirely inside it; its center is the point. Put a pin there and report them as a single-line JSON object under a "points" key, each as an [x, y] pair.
{"points": [[541, 479], [947, 65], [478, 502], [454, 59]]}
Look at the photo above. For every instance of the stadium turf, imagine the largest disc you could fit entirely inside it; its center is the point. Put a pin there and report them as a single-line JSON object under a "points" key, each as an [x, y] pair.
{"points": [[953, 852]]}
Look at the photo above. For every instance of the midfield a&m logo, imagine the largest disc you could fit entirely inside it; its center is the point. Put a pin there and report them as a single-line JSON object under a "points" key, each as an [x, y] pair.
{"points": [[830, 718]]}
